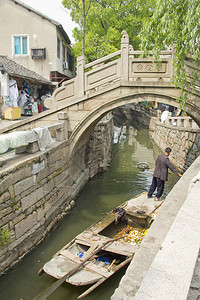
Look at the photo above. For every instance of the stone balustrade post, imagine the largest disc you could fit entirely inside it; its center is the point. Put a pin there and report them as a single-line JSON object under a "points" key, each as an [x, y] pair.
{"points": [[187, 123], [179, 122], [158, 114], [80, 75], [124, 56], [167, 121], [62, 134]]}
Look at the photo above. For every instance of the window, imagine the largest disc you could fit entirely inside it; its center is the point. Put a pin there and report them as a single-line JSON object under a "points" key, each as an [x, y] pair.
{"points": [[58, 48], [20, 45]]}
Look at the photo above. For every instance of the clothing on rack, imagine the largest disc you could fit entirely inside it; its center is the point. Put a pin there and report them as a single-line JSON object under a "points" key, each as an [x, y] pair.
{"points": [[13, 92], [25, 87], [22, 100]]}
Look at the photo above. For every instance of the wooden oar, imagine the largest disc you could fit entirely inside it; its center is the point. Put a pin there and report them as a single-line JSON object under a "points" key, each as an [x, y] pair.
{"points": [[156, 208], [48, 291], [94, 286]]}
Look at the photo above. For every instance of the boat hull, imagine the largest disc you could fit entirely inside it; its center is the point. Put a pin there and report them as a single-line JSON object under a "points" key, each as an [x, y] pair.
{"points": [[114, 251]]}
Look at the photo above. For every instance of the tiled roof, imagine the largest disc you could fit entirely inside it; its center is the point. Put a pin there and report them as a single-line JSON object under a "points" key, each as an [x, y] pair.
{"points": [[17, 70]]}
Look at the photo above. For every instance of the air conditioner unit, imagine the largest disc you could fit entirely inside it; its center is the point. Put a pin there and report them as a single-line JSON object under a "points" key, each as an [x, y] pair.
{"points": [[38, 53], [65, 65]]}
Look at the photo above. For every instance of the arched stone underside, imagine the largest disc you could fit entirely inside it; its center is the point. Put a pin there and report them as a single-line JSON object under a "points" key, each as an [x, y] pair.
{"points": [[102, 105]]}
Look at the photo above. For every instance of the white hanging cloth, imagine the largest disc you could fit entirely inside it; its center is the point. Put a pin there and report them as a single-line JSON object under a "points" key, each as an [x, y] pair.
{"points": [[13, 91]]}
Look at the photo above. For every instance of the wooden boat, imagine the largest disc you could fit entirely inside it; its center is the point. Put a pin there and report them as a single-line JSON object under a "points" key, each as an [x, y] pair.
{"points": [[105, 247]]}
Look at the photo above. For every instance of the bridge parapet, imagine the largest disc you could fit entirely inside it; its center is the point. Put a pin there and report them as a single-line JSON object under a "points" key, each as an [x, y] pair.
{"points": [[125, 65], [185, 122], [32, 141]]}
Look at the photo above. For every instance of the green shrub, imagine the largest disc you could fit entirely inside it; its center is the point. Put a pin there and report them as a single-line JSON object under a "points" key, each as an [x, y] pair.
{"points": [[4, 237]]}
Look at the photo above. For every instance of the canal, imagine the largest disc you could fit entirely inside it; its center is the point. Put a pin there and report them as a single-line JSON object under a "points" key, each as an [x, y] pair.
{"points": [[122, 181]]}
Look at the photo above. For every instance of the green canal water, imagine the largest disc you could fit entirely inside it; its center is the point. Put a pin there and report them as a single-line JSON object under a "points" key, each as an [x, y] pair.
{"points": [[122, 181]]}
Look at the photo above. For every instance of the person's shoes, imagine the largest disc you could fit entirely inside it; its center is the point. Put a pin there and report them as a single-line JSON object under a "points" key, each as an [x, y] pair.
{"points": [[149, 197], [157, 199]]}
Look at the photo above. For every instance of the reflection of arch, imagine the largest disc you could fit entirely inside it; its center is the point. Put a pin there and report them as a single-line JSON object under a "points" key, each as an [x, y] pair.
{"points": [[82, 131]]}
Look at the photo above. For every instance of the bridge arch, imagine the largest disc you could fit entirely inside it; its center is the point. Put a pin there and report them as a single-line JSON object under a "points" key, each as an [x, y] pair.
{"points": [[82, 131], [122, 76]]}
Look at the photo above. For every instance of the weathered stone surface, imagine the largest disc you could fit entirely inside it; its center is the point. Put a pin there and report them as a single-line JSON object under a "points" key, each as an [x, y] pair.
{"points": [[6, 196], [181, 140], [60, 177], [11, 179], [5, 212], [36, 168], [38, 194], [44, 189], [8, 258], [53, 157], [26, 224], [24, 184], [11, 191], [45, 173]]}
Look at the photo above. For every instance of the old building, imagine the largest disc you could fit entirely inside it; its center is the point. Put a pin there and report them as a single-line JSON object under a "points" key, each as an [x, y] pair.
{"points": [[35, 41], [20, 88]]}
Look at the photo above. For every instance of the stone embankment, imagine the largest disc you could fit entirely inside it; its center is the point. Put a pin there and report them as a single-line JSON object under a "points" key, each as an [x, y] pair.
{"points": [[181, 134], [167, 260], [37, 189]]}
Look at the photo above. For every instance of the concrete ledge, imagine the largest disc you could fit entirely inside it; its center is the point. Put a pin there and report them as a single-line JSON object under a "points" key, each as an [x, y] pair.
{"points": [[143, 260], [169, 276]]}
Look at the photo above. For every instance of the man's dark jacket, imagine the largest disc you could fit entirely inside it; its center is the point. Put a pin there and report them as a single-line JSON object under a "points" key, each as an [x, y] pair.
{"points": [[162, 166]]}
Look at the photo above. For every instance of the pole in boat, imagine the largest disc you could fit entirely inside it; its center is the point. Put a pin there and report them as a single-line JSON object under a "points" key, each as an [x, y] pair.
{"points": [[48, 291]]}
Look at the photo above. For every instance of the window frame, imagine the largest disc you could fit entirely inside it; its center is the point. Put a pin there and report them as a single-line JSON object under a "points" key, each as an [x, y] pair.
{"points": [[13, 44]]}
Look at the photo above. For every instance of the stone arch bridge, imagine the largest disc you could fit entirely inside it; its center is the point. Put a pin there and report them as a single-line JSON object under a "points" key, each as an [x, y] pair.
{"points": [[109, 82], [35, 189], [115, 80]]}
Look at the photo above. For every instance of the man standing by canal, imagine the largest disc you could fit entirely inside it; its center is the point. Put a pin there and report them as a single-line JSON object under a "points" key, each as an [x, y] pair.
{"points": [[160, 174]]}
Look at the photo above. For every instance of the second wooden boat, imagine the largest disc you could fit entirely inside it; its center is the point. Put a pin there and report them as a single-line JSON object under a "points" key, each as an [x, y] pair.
{"points": [[105, 247]]}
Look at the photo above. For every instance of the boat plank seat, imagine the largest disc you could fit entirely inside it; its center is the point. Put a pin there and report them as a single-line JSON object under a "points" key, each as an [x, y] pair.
{"points": [[96, 268], [96, 241], [115, 247]]}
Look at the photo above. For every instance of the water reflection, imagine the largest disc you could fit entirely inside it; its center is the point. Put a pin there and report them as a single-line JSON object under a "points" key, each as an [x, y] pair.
{"points": [[105, 191]]}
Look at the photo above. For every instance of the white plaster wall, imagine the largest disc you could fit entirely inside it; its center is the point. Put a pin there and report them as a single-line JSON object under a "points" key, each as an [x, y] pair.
{"points": [[15, 20]]}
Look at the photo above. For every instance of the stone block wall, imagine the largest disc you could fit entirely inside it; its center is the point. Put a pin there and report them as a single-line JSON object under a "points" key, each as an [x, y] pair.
{"points": [[181, 134], [37, 189], [184, 140], [99, 146], [34, 192]]}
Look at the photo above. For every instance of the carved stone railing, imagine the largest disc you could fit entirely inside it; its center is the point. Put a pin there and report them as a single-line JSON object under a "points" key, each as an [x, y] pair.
{"points": [[182, 122], [125, 65], [58, 131]]}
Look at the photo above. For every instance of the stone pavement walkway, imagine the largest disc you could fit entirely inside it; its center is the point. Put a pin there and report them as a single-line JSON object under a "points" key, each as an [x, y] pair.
{"points": [[162, 269], [5, 123], [194, 292]]}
